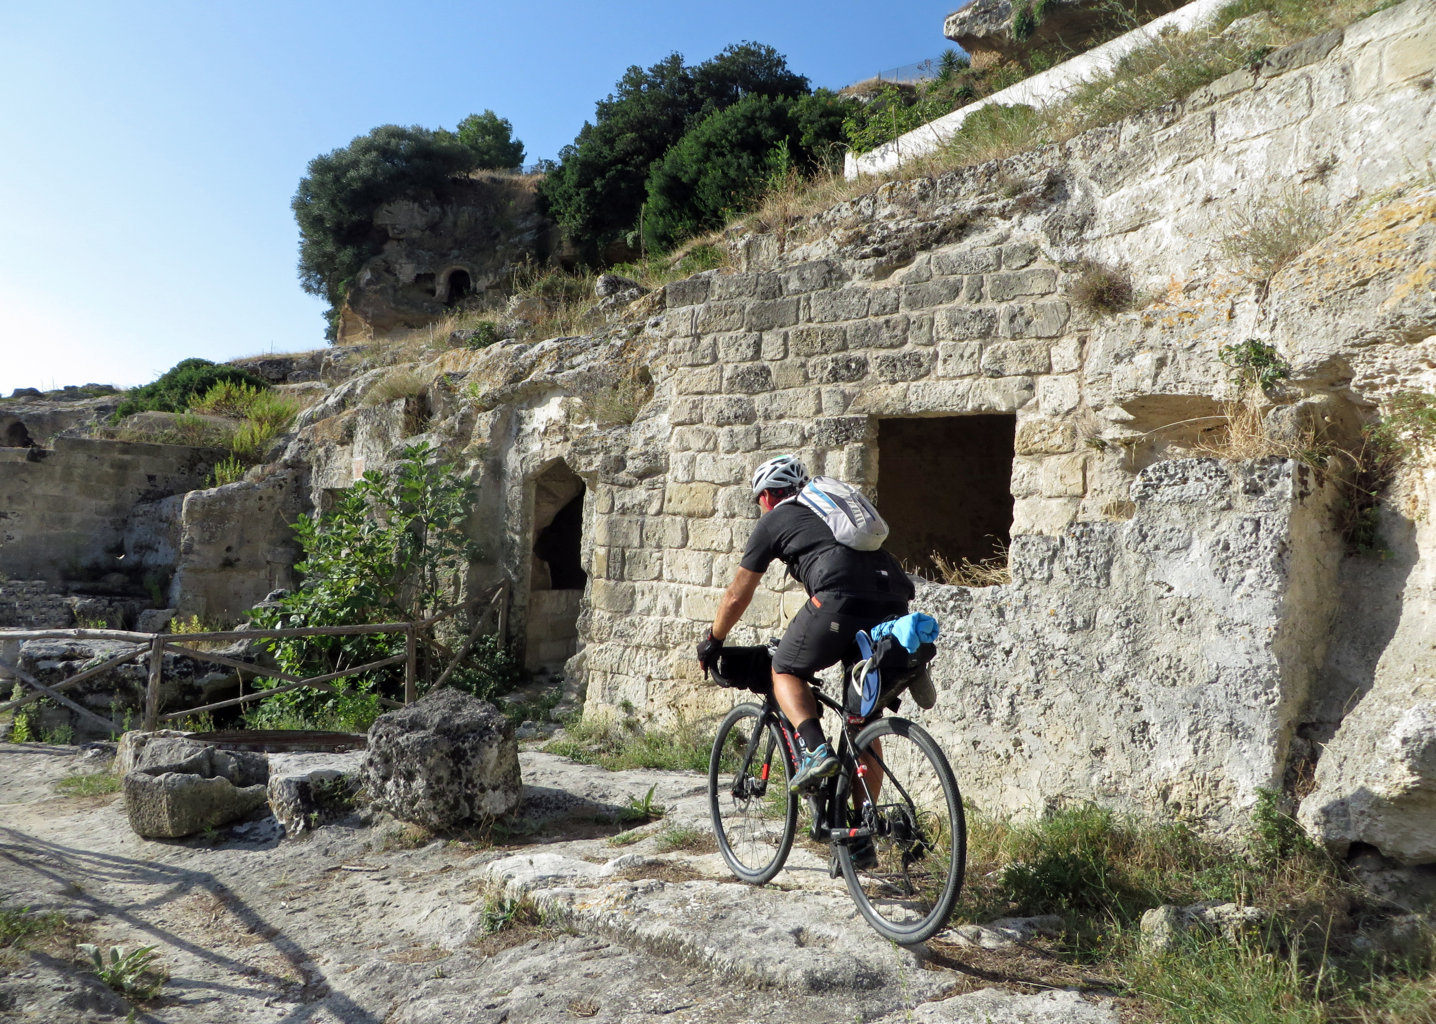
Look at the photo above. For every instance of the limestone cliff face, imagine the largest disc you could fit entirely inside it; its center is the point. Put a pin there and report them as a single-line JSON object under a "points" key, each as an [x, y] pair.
{"points": [[1179, 631], [469, 241]]}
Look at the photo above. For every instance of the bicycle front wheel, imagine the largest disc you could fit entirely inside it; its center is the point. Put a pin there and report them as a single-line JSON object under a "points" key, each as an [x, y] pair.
{"points": [[914, 816], [754, 815]]}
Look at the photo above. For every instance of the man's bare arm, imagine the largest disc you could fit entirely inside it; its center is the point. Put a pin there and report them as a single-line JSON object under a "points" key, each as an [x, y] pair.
{"points": [[735, 601]]}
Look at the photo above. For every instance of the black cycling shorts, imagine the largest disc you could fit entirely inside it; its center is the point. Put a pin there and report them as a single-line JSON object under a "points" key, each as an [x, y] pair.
{"points": [[819, 636]]}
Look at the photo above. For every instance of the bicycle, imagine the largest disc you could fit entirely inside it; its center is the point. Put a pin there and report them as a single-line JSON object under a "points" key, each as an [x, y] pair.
{"points": [[907, 803]]}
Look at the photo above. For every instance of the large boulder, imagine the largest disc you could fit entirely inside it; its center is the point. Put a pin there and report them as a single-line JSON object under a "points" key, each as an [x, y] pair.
{"points": [[444, 761], [174, 786], [308, 790], [1376, 780]]}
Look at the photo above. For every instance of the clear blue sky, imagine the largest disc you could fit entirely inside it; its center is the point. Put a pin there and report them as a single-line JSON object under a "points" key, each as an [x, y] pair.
{"points": [[150, 149]]}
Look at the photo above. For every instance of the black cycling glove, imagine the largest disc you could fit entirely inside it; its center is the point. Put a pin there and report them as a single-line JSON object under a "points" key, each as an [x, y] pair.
{"points": [[708, 650]]}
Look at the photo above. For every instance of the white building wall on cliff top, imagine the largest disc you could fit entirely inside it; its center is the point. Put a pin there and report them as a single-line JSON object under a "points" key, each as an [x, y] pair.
{"points": [[1039, 91]]}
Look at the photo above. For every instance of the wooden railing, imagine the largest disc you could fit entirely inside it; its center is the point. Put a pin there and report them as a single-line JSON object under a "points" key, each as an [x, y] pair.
{"points": [[154, 645]]}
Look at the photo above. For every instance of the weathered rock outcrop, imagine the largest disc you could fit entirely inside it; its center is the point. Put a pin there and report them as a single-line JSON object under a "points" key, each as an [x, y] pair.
{"points": [[985, 30], [236, 545], [468, 241], [32, 417], [444, 761]]}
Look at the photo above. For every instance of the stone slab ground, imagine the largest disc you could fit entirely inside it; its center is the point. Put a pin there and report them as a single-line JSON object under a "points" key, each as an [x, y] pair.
{"points": [[367, 921]]}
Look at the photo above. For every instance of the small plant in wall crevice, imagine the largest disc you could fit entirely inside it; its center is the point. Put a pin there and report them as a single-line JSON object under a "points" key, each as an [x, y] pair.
{"points": [[1101, 288], [1255, 364]]}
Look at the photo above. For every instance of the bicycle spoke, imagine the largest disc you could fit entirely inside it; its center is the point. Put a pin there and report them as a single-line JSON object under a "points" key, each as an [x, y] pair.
{"points": [[754, 815], [917, 833]]}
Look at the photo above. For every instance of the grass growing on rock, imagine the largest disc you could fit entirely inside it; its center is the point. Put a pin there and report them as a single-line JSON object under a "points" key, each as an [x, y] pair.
{"points": [[1169, 67], [622, 744], [95, 784], [1099, 871]]}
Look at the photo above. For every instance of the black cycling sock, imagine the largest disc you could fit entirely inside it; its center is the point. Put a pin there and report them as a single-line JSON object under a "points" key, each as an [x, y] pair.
{"points": [[811, 732]]}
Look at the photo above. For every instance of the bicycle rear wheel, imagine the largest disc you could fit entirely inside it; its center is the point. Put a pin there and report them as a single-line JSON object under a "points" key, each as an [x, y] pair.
{"points": [[918, 832], [754, 815]]}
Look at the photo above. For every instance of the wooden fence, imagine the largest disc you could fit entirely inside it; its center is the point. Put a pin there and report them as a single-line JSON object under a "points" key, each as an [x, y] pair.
{"points": [[154, 646]]}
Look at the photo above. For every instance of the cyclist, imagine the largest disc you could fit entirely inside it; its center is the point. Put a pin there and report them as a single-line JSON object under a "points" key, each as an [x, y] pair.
{"points": [[847, 590]]}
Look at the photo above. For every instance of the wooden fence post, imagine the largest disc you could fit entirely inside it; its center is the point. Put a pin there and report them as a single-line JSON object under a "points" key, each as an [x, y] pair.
{"points": [[411, 665], [152, 694]]}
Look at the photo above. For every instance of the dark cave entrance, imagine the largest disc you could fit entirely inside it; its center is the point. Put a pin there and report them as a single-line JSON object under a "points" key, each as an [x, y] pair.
{"points": [[459, 285], [557, 577]]}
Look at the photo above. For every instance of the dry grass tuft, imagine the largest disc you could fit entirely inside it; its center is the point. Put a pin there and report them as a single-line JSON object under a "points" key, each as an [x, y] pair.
{"points": [[1271, 231], [401, 382], [1244, 433], [1101, 288], [621, 401], [990, 572]]}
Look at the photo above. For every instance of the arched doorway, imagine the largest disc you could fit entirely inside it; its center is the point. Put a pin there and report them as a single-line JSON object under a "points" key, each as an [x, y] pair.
{"points": [[459, 284], [557, 576], [14, 435]]}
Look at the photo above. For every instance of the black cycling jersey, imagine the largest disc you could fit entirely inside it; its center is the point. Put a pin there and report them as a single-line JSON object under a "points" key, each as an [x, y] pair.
{"points": [[798, 536]]}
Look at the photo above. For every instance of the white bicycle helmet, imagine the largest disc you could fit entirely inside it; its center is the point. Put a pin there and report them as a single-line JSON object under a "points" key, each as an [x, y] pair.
{"points": [[780, 474]]}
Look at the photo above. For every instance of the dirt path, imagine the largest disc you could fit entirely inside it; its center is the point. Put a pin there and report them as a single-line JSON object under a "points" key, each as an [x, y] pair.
{"points": [[362, 923]]}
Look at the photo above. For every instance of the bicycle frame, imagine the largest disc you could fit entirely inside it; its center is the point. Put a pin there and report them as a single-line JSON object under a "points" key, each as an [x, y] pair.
{"points": [[823, 828]]}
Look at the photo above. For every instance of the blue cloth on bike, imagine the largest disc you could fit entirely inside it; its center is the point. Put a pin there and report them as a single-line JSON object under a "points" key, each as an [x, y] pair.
{"points": [[866, 676], [911, 630]]}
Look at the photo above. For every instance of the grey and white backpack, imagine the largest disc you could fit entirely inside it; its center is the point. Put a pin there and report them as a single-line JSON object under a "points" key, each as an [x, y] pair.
{"points": [[847, 512]]}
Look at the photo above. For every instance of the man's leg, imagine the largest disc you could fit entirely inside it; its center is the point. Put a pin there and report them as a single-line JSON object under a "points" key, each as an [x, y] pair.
{"points": [[795, 697]]}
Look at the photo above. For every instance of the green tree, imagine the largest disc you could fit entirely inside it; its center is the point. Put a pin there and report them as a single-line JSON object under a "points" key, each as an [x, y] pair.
{"points": [[491, 138], [391, 549], [337, 198], [726, 163], [597, 190]]}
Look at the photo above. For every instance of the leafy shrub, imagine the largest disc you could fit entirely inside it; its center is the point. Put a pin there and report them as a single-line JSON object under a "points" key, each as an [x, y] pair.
{"points": [[485, 333], [1255, 364], [715, 171], [181, 384], [227, 398], [892, 112], [390, 550], [1276, 836], [1026, 16], [1407, 432]]}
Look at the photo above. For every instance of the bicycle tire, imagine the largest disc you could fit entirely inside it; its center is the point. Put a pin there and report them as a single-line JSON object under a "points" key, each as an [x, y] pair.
{"points": [[919, 834], [754, 815]]}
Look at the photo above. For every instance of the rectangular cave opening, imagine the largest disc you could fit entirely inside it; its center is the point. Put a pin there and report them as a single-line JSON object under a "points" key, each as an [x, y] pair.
{"points": [[945, 488]]}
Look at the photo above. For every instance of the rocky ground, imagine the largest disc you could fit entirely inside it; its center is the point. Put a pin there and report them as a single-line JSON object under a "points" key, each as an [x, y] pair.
{"points": [[369, 921]]}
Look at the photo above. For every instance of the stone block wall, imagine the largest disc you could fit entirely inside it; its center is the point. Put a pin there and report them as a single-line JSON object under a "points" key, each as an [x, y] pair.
{"points": [[64, 511], [1164, 662], [552, 627], [953, 297], [33, 604]]}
